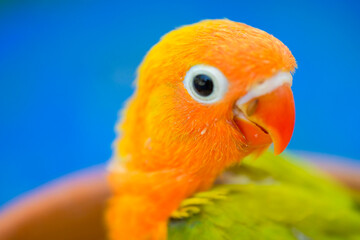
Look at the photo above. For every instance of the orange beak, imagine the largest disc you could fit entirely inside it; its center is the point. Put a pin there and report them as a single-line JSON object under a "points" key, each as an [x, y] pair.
{"points": [[270, 117]]}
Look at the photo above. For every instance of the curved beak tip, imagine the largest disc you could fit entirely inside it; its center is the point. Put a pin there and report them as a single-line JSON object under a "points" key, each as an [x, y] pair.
{"points": [[276, 113], [281, 130]]}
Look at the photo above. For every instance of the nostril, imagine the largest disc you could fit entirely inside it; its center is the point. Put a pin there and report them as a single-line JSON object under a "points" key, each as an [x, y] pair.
{"points": [[251, 108]]}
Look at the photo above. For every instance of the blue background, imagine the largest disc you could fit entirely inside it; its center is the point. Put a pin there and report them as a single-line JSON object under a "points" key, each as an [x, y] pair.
{"points": [[66, 68]]}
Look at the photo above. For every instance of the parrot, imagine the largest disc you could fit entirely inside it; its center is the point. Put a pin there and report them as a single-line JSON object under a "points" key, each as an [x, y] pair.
{"points": [[191, 159]]}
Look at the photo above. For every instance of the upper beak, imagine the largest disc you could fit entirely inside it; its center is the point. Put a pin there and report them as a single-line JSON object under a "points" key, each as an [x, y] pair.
{"points": [[274, 114]]}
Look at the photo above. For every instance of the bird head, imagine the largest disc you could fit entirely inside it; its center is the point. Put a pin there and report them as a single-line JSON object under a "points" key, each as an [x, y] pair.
{"points": [[207, 95]]}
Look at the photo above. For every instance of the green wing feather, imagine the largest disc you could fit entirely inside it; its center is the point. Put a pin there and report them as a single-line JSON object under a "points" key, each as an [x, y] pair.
{"points": [[270, 198]]}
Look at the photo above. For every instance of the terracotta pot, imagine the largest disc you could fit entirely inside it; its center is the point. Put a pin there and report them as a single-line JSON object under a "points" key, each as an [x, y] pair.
{"points": [[72, 207], [69, 208]]}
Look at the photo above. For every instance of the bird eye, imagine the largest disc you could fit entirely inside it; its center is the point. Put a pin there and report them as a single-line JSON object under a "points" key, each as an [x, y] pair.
{"points": [[206, 84], [203, 85]]}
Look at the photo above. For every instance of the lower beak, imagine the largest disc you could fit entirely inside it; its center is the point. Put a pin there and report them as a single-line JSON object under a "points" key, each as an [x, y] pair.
{"points": [[273, 114]]}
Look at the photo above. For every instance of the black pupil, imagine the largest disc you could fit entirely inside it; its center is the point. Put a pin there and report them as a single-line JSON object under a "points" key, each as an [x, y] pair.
{"points": [[203, 85]]}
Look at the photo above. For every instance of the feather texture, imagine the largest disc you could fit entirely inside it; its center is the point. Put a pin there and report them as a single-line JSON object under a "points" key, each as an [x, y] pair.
{"points": [[272, 198]]}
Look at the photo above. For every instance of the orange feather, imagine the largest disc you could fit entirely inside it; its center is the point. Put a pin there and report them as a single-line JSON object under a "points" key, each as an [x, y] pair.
{"points": [[169, 146]]}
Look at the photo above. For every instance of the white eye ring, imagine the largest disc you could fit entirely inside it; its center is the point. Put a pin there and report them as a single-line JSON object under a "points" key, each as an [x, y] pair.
{"points": [[218, 87]]}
